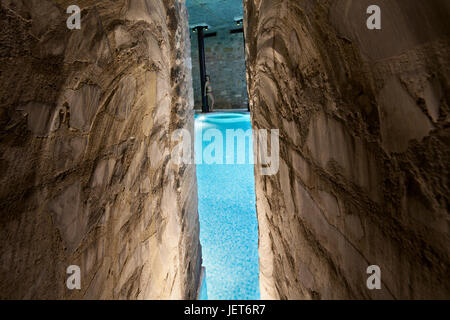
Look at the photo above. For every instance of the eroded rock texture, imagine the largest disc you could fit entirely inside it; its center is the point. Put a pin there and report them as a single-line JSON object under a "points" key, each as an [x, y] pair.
{"points": [[85, 179], [363, 118]]}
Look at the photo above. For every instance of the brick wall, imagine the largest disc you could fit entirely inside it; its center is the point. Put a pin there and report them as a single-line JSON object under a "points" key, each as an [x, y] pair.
{"points": [[225, 63]]}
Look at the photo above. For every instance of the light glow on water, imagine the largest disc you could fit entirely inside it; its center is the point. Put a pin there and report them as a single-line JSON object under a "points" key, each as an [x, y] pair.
{"points": [[227, 210]]}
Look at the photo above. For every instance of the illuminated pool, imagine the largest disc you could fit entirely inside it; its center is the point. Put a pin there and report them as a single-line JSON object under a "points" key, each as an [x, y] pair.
{"points": [[228, 223]]}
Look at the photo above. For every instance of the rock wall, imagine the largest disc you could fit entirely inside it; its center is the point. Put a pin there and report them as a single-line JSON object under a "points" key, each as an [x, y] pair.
{"points": [[86, 179], [225, 63], [364, 137]]}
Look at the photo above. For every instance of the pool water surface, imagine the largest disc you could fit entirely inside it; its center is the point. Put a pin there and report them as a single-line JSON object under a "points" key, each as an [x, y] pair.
{"points": [[227, 210]]}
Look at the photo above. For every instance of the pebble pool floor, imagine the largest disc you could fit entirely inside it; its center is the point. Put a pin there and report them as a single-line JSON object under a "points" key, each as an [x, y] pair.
{"points": [[227, 210]]}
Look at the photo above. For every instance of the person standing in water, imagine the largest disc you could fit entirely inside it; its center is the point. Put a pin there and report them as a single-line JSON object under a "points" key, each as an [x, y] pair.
{"points": [[209, 92]]}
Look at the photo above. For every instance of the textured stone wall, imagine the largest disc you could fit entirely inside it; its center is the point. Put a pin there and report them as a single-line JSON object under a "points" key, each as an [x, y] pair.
{"points": [[85, 176], [364, 128], [225, 63]]}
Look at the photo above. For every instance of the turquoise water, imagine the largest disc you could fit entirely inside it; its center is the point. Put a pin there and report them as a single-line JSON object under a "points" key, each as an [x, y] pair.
{"points": [[228, 223]]}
